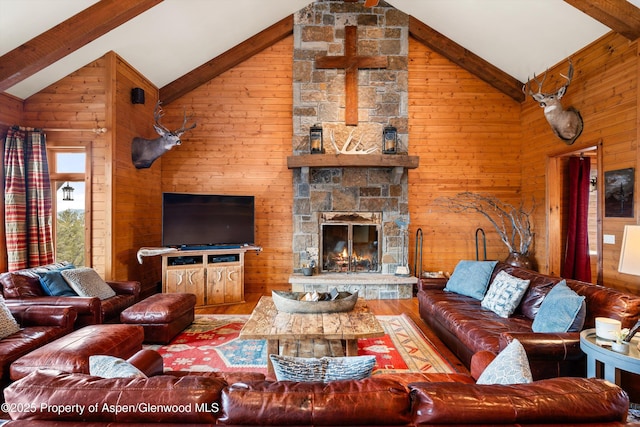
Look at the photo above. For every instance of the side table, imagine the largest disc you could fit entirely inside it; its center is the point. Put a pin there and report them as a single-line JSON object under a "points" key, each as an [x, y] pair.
{"points": [[612, 361]]}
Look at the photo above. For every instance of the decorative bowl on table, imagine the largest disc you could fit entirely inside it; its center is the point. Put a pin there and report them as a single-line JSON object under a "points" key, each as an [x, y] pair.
{"points": [[294, 302]]}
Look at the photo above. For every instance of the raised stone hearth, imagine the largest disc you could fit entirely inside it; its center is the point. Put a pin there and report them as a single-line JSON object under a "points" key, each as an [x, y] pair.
{"points": [[368, 285]]}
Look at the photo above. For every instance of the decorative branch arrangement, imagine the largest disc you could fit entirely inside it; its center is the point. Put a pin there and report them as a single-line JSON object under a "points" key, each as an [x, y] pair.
{"points": [[511, 223]]}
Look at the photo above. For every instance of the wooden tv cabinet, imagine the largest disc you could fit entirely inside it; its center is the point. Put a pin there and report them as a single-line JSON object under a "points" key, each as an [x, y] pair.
{"points": [[215, 276]]}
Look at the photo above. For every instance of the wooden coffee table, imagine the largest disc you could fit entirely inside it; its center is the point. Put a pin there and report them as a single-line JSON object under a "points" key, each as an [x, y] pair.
{"points": [[313, 335]]}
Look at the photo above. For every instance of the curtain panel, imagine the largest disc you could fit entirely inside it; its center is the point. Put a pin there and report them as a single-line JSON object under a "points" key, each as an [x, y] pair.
{"points": [[27, 198], [577, 264]]}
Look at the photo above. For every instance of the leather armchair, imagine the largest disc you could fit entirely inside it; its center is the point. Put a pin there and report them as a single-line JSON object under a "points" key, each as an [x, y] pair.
{"points": [[23, 287], [39, 325]]}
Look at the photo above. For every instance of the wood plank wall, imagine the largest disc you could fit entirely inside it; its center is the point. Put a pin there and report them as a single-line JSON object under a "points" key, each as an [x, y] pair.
{"points": [[137, 197], [605, 90], [239, 147], [467, 135], [125, 201], [10, 112], [78, 102]]}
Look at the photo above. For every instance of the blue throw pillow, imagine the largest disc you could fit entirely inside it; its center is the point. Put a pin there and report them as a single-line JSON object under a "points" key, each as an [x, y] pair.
{"points": [[471, 278], [562, 310], [55, 285]]}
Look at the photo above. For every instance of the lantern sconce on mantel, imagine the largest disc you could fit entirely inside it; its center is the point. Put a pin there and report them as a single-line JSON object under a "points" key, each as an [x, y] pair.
{"points": [[389, 140], [315, 139]]}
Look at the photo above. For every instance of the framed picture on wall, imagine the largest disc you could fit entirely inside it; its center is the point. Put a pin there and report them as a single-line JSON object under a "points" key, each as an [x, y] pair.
{"points": [[618, 193]]}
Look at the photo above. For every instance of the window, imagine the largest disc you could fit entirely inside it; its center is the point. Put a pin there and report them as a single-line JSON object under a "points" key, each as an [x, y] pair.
{"points": [[71, 203]]}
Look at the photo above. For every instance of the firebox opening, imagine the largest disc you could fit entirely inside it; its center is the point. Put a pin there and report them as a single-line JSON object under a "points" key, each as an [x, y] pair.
{"points": [[350, 242]]}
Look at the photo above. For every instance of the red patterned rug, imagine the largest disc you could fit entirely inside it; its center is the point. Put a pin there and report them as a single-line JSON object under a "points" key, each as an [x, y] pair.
{"points": [[211, 344]]}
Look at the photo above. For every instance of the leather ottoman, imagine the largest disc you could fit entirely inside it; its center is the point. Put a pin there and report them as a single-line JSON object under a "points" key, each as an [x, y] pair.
{"points": [[163, 316], [70, 353]]}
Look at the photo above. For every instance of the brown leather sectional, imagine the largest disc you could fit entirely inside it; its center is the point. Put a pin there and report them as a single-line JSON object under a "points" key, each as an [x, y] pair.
{"points": [[23, 287], [39, 325], [466, 328], [48, 397]]}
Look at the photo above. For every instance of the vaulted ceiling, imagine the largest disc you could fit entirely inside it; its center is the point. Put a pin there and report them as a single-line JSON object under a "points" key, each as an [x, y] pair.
{"points": [[180, 44]]}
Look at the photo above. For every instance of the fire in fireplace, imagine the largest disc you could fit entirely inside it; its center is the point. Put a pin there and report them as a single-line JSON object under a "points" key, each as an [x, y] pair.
{"points": [[350, 241]]}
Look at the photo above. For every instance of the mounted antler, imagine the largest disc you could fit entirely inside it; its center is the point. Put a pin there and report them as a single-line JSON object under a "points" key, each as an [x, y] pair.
{"points": [[145, 151], [356, 149], [566, 124]]}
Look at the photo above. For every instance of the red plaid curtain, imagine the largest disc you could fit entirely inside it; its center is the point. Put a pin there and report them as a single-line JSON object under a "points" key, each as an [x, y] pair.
{"points": [[27, 199]]}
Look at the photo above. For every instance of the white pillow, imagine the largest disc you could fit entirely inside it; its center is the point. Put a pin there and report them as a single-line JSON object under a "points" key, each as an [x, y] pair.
{"points": [[511, 366], [113, 367], [8, 324], [87, 283]]}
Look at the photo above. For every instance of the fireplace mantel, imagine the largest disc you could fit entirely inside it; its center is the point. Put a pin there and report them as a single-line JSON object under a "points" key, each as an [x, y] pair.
{"points": [[399, 162], [352, 160]]}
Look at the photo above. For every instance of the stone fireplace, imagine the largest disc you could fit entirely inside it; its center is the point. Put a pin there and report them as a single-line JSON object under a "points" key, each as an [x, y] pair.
{"points": [[349, 200]]}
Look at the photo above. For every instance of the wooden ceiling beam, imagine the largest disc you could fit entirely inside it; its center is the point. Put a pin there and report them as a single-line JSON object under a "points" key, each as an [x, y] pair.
{"points": [[227, 60], [619, 15], [466, 59], [66, 37]]}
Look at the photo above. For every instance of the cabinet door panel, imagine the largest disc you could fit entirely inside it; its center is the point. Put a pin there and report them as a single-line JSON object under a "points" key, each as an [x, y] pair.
{"points": [[233, 285], [216, 277], [189, 280]]}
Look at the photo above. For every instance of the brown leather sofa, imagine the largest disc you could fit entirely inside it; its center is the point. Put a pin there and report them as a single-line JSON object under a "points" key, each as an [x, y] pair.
{"points": [[48, 398], [466, 328], [23, 287], [39, 325]]}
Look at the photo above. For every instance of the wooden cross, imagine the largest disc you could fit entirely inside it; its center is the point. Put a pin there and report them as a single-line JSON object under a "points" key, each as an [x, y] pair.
{"points": [[351, 63]]}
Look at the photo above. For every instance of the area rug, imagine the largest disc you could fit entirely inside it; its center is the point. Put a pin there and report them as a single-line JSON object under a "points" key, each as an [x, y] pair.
{"points": [[211, 343]]}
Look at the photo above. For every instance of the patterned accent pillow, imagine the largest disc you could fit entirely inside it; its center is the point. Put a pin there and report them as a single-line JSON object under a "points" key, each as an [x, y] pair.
{"points": [[511, 366], [87, 283], [8, 324], [504, 294], [324, 369], [113, 367], [471, 278], [562, 310]]}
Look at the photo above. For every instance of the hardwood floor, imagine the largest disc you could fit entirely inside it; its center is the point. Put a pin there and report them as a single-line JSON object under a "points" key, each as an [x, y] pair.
{"points": [[379, 307]]}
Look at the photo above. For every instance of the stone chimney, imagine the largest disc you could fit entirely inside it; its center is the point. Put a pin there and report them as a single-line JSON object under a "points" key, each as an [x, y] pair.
{"points": [[320, 99]]}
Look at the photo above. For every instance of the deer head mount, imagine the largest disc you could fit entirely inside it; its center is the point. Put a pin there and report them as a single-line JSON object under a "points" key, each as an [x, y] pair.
{"points": [[145, 151], [565, 123]]}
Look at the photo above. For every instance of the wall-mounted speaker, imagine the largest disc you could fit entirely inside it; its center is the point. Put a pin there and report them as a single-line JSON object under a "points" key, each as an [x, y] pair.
{"points": [[137, 95]]}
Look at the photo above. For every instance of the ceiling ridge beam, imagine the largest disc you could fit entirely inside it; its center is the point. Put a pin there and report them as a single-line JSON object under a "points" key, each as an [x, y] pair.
{"points": [[66, 37], [619, 15], [466, 59], [227, 60]]}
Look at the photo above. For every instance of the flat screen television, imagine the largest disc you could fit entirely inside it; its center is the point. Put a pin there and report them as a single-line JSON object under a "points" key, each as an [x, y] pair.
{"points": [[207, 220]]}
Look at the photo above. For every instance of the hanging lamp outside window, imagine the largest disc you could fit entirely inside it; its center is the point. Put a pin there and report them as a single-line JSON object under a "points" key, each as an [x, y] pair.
{"points": [[67, 193]]}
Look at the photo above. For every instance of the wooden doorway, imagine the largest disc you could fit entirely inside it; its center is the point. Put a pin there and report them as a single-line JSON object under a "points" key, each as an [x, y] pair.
{"points": [[557, 199]]}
